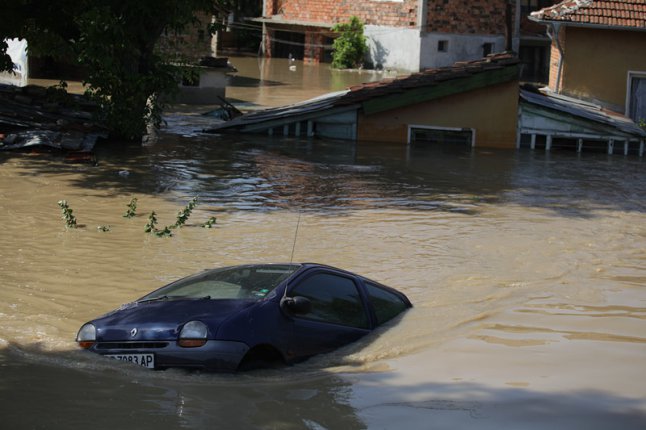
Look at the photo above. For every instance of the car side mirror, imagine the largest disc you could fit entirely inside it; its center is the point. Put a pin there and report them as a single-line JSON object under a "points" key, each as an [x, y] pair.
{"points": [[296, 305]]}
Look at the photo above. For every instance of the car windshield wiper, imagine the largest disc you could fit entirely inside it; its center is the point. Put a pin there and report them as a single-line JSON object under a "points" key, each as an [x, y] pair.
{"points": [[154, 299], [165, 297]]}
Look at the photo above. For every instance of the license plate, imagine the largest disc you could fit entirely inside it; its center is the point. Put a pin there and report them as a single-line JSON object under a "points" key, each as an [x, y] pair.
{"points": [[144, 360]]}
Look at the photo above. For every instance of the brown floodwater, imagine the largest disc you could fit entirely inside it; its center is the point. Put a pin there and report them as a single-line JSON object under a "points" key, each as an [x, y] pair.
{"points": [[527, 272]]}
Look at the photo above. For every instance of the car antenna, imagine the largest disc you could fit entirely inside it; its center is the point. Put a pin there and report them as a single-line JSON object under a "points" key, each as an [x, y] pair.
{"points": [[295, 236]]}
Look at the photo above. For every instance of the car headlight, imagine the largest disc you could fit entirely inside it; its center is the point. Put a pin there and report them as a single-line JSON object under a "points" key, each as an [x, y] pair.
{"points": [[193, 334], [86, 336]]}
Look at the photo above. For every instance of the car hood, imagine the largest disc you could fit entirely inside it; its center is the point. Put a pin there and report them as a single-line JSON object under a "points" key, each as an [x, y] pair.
{"points": [[162, 320]]}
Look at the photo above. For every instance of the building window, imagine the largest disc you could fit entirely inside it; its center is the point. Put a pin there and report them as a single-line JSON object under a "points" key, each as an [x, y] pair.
{"points": [[454, 137], [636, 106], [487, 48], [443, 46], [535, 63]]}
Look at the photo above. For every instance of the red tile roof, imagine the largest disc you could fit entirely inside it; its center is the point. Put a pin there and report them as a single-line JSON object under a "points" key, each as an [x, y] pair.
{"points": [[615, 13]]}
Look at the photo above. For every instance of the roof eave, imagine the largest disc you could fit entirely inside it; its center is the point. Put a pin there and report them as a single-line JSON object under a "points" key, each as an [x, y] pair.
{"points": [[585, 24]]}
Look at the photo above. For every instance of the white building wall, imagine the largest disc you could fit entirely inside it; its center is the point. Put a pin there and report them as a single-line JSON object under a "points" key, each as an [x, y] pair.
{"points": [[393, 47], [408, 50], [458, 48], [17, 50]]}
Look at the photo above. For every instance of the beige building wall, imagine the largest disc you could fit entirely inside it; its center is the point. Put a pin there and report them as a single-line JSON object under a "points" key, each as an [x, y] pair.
{"points": [[597, 63], [491, 111]]}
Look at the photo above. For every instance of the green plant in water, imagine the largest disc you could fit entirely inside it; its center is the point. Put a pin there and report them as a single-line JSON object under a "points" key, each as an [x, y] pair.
{"points": [[151, 227], [68, 215], [152, 223], [209, 223], [164, 232], [184, 214], [103, 228], [350, 47], [132, 208]]}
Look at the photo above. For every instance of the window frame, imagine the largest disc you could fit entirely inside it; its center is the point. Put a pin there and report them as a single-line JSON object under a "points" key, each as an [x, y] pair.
{"points": [[363, 299], [632, 74], [411, 127], [375, 320]]}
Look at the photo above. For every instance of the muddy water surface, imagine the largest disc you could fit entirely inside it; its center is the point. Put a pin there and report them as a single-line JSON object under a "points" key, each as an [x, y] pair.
{"points": [[527, 273]]}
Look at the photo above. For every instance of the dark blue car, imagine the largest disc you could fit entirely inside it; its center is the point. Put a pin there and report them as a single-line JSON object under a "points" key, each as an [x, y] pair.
{"points": [[244, 317]]}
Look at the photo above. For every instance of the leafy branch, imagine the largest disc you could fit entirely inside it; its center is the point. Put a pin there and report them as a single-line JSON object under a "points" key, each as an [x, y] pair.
{"points": [[68, 214], [132, 208], [150, 227], [184, 214]]}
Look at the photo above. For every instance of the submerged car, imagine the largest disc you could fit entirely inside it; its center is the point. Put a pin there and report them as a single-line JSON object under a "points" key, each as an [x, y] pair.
{"points": [[243, 317]]}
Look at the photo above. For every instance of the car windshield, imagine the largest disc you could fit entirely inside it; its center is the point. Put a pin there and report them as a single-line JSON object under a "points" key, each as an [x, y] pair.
{"points": [[251, 282]]}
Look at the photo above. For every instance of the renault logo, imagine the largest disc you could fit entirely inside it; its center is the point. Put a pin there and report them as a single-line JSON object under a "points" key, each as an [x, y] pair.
{"points": [[133, 332]]}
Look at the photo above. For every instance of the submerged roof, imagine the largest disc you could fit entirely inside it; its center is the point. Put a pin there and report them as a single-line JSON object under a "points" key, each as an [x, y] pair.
{"points": [[630, 14], [583, 110], [393, 93]]}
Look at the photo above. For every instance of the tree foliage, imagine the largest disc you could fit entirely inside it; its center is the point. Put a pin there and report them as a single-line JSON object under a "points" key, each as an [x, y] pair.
{"points": [[350, 47], [114, 41]]}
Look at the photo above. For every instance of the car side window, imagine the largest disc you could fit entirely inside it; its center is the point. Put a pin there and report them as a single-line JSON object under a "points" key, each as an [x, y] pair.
{"points": [[387, 305], [335, 299]]}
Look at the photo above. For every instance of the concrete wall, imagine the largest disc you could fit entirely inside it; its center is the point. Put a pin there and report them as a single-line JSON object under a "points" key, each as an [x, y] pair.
{"points": [[461, 47], [597, 62], [408, 50], [491, 111], [393, 47], [17, 50]]}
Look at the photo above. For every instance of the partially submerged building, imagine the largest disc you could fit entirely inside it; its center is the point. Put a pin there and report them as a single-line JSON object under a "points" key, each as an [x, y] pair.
{"points": [[467, 104], [599, 52], [597, 83], [551, 121], [408, 35]]}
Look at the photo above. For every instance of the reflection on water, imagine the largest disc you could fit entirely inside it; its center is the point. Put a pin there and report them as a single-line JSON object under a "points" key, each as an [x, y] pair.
{"points": [[271, 82], [118, 396]]}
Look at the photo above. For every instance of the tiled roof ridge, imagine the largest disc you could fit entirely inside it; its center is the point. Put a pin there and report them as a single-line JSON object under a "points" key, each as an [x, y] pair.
{"points": [[615, 13], [560, 9]]}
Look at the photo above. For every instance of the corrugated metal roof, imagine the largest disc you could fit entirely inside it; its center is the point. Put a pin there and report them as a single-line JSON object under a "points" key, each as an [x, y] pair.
{"points": [[317, 104], [615, 13], [583, 110]]}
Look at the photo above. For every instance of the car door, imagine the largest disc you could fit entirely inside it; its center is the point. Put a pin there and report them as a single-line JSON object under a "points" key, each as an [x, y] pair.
{"points": [[337, 317]]}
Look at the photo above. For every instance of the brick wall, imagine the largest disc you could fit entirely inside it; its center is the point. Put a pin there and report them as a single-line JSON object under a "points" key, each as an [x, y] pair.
{"points": [[446, 16], [466, 17], [371, 12], [555, 58]]}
